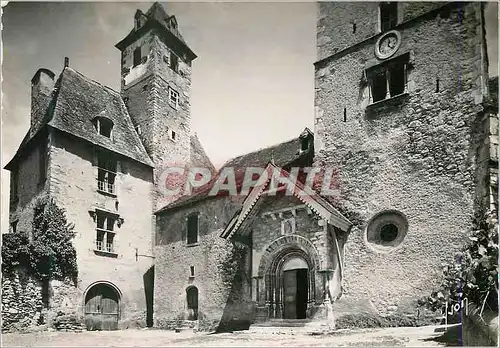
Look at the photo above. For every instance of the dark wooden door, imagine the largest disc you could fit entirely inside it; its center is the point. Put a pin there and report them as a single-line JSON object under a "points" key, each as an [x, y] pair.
{"points": [[295, 294], [101, 308], [290, 294], [302, 295]]}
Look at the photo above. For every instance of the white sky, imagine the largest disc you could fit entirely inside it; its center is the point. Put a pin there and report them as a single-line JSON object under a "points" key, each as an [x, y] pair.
{"points": [[252, 83]]}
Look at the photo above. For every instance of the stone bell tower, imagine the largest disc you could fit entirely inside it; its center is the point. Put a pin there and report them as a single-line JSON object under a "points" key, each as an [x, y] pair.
{"points": [[156, 87]]}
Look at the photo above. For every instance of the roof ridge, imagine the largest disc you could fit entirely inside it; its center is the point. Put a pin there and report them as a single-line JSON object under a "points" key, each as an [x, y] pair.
{"points": [[261, 149], [88, 79]]}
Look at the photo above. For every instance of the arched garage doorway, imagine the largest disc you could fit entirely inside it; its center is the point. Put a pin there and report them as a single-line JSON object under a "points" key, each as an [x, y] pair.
{"points": [[102, 307]]}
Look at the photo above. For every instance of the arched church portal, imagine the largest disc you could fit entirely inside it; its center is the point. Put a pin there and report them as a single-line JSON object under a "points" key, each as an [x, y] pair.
{"points": [[290, 285]]}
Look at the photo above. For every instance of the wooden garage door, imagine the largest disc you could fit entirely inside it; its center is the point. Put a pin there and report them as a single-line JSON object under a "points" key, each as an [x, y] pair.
{"points": [[101, 308]]}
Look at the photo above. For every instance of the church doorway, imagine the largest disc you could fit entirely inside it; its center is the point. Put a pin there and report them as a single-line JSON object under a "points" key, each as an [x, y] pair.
{"points": [[101, 308], [295, 285]]}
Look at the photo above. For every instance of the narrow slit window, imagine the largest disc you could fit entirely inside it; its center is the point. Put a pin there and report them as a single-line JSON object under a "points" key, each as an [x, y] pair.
{"points": [[192, 229], [174, 62], [345, 114]]}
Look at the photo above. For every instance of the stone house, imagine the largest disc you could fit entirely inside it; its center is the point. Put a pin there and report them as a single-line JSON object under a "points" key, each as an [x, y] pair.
{"points": [[406, 125]]}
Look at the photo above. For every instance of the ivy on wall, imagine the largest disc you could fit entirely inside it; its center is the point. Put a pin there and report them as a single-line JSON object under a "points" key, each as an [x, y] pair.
{"points": [[49, 253], [474, 274]]}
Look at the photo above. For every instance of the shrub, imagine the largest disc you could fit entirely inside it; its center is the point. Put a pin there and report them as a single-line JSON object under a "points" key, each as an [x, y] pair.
{"points": [[50, 254], [474, 274]]}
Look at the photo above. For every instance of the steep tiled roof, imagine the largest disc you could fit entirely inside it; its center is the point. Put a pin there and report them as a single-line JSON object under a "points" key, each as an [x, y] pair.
{"points": [[281, 155], [158, 19], [157, 12], [77, 100], [199, 157]]}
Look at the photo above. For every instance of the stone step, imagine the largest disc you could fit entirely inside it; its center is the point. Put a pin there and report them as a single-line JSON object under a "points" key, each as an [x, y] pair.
{"points": [[187, 325], [283, 323]]}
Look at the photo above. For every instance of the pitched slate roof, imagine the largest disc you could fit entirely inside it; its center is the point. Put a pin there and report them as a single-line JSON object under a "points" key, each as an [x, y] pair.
{"points": [[76, 101], [157, 18], [157, 12], [199, 157], [282, 155]]}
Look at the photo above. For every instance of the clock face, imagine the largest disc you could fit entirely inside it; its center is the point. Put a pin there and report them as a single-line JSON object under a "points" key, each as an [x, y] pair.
{"points": [[387, 45]]}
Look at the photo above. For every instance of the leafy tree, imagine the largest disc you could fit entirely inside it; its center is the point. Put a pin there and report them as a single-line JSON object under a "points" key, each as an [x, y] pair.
{"points": [[474, 275], [15, 251], [50, 253]]}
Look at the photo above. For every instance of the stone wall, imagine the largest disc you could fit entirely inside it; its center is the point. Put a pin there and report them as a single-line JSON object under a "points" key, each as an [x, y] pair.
{"points": [[415, 153], [219, 294], [73, 186], [30, 184], [22, 303]]}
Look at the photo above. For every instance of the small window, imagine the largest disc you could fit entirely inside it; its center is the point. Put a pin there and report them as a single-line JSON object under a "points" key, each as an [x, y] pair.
{"points": [[137, 56], [106, 173], [192, 229], [104, 126], [138, 129], [191, 271], [388, 80], [105, 234], [174, 62], [192, 302], [388, 233], [13, 225], [173, 135], [173, 98], [304, 144], [386, 230], [388, 15]]}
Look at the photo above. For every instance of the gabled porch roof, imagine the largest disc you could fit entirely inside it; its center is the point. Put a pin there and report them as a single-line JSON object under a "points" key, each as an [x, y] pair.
{"points": [[307, 195]]}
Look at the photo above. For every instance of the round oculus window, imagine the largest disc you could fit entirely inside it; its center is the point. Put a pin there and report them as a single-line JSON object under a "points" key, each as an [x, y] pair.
{"points": [[386, 230]]}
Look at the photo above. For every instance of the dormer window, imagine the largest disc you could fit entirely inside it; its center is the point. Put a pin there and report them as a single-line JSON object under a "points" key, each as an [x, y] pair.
{"points": [[173, 22], [104, 126], [304, 144], [388, 15]]}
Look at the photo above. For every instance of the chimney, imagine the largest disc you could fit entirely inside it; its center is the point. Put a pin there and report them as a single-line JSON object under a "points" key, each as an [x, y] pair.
{"points": [[42, 85], [66, 62]]}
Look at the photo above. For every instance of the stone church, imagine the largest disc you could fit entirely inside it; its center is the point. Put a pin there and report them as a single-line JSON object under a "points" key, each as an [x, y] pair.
{"points": [[405, 115]]}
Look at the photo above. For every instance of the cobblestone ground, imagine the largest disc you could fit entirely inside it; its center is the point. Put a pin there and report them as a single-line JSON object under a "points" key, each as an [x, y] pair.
{"points": [[404, 337]]}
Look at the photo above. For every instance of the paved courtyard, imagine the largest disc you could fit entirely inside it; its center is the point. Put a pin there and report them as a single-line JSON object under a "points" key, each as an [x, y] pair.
{"points": [[403, 337]]}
